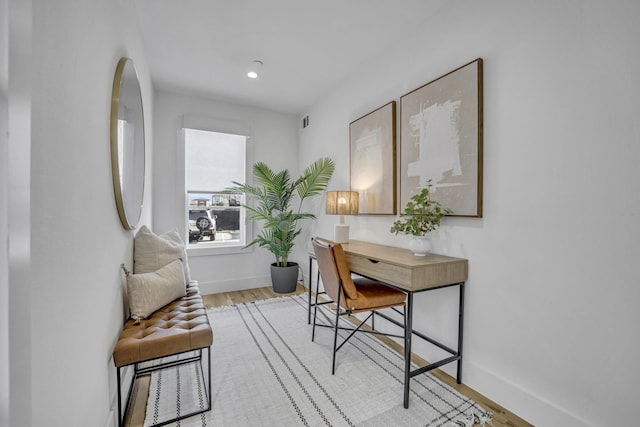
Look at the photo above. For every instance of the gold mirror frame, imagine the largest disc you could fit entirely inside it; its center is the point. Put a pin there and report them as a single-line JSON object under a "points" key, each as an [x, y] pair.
{"points": [[127, 143]]}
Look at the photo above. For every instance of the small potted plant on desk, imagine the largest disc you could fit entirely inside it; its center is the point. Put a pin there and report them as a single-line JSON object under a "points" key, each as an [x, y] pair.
{"points": [[278, 204], [421, 216]]}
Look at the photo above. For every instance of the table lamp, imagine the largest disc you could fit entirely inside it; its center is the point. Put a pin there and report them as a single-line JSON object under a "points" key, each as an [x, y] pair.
{"points": [[342, 203]]}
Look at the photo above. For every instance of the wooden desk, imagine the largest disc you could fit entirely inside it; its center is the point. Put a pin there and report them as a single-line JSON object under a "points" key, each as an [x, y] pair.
{"points": [[399, 267], [402, 270]]}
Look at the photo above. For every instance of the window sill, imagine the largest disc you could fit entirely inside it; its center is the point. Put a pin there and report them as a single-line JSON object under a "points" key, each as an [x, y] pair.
{"points": [[208, 250]]}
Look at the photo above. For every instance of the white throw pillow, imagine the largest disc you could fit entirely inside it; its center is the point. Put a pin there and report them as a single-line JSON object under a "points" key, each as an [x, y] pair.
{"points": [[151, 291], [151, 252]]}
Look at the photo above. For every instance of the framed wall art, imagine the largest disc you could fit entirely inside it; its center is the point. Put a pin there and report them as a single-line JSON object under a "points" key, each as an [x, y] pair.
{"points": [[372, 140], [441, 140]]}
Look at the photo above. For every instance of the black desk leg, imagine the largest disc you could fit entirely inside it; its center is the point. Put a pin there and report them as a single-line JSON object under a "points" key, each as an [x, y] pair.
{"points": [[408, 328], [310, 283], [460, 329]]}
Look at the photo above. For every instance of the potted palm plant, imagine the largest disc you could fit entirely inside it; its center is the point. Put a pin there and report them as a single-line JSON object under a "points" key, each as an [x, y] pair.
{"points": [[278, 204], [421, 216]]}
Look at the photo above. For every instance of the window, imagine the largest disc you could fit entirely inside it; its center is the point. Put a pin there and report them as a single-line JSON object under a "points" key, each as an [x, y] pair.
{"points": [[213, 160]]}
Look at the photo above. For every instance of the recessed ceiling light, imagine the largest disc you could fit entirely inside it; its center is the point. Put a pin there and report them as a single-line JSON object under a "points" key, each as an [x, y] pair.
{"points": [[254, 69]]}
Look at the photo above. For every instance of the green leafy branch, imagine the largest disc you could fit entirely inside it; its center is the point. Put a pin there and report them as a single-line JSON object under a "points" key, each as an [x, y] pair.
{"points": [[421, 214]]}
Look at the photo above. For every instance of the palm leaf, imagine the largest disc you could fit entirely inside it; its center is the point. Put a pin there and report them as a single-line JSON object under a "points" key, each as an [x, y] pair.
{"points": [[315, 178], [273, 194]]}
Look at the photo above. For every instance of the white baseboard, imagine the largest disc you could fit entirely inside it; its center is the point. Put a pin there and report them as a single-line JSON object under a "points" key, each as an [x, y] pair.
{"points": [[111, 420], [526, 405], [234, 285], [240, 284]]}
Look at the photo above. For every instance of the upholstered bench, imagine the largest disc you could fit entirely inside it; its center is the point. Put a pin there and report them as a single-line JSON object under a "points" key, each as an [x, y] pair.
{"points": [[180, 328]]}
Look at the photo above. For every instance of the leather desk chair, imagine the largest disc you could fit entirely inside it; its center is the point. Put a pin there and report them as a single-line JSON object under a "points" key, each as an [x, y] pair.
{"points": [[350, 295]]}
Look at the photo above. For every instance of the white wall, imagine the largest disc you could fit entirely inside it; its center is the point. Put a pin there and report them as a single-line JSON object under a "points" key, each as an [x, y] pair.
{"points": [[4, 212], [18, 219], [74, 293], [551, 315], [274, 141], [551, 327]]}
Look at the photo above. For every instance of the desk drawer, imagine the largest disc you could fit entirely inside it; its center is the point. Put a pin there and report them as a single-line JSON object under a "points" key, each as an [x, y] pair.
{"points": [[380, 270]]}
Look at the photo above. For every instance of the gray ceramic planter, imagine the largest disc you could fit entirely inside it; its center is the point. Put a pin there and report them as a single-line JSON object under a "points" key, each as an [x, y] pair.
{"points": [[284, 279]]}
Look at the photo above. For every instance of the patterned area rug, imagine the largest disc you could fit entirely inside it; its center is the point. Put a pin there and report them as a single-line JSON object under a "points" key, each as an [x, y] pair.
{"points": [[267, 372]]}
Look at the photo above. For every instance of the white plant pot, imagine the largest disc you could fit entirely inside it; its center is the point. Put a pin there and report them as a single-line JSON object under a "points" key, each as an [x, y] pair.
{"points": [[420, 245]]}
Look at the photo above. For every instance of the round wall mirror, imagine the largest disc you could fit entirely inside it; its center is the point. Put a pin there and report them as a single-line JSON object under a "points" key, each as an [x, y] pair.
{"points": [[127, 143]]}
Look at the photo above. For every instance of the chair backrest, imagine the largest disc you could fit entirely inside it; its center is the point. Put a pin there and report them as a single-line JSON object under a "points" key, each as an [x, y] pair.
{"points": [[334, 269]]}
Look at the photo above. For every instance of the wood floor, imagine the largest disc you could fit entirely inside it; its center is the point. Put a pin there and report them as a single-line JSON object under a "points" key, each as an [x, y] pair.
{"points": [[501, 416]]}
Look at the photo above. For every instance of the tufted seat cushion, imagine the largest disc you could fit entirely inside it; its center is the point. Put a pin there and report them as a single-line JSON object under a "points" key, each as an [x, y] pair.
{"points": [[180, 326]]}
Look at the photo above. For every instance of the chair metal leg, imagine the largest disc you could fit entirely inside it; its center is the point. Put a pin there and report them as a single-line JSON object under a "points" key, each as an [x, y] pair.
{"points": [[310, 285], [315, 313], [335, 335]]}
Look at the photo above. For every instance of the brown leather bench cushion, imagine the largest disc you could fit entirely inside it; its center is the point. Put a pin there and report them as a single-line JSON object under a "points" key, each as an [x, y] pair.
{"points": [[180, 326]]}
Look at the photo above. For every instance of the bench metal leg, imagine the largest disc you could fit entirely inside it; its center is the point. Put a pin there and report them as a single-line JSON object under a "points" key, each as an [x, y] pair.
{"points": [[122, 416]]}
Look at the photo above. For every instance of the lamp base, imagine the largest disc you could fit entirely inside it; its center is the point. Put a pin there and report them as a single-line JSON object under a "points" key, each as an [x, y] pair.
{"points": [[341, 233]]}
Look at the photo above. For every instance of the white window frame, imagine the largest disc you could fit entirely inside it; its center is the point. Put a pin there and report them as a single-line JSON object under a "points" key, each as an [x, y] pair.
{"points": [[212, 125]]}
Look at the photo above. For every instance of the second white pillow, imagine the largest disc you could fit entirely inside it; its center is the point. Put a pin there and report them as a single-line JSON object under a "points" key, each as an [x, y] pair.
{"points": [[151, 291]]}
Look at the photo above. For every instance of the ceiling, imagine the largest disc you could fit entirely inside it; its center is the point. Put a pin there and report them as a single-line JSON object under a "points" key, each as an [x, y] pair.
{"points": [[204, 47]]}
